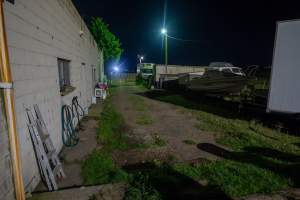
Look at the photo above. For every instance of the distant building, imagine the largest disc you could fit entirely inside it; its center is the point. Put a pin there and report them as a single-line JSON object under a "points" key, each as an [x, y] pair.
{"points": [[53, 57]]}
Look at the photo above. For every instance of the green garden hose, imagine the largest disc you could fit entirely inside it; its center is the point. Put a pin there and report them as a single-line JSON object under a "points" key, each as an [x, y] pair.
{"points": [[77, 110], [71, 115], [69, 135]]}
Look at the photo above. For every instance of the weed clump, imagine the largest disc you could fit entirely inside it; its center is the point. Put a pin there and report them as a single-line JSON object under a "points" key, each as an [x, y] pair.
{"points": [[158, 141], [141, 188], [99, 168], [144, 120], [189, 142], [111, 129]]}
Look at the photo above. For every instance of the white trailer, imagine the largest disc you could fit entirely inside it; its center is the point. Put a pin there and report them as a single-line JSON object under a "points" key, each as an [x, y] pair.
{"points": [[284, 95]]}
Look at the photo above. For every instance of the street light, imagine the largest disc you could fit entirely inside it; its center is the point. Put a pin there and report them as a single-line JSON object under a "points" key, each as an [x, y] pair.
{"points": [[164, 32], [141, 58], [116, 69]]}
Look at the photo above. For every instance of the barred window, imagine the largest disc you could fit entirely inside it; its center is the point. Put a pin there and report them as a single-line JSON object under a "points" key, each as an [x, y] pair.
{"points": [[64, 73]]}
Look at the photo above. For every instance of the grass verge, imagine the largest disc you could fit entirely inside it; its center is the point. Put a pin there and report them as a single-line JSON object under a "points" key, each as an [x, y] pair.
{"points": [[234, 178], [99, 167], [264, 160], [234, 133], [111, 130]]}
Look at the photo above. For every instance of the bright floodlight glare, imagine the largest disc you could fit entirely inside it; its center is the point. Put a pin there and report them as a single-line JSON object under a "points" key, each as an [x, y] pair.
{"points": [[164, 31], [142, 58], [116, 69]]}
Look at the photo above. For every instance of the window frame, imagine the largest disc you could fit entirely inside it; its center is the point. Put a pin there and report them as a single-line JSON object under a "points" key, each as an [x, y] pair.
{"points": [[64, 74], [94, 73]]}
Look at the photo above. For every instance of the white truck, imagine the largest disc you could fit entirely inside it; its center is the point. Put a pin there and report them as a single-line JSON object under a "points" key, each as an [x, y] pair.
{"points": [[145, 70]]}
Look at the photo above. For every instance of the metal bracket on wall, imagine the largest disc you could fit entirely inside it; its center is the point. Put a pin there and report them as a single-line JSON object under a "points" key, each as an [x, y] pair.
{"points": [[6, 85]]}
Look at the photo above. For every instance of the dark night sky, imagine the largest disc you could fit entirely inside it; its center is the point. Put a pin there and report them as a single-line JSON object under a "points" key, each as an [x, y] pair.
{"points": [[240, 32]]}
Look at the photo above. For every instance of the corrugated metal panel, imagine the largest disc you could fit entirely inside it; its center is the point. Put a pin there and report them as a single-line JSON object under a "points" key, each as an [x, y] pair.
{"points": [[285, 78]]}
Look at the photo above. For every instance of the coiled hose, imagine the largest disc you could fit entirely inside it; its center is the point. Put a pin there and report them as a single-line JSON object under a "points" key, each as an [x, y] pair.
{"points": [[77, 110], [70, 115]]}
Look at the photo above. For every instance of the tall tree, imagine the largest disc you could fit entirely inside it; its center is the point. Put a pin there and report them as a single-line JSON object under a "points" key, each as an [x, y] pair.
{"points": [[106, 40]]}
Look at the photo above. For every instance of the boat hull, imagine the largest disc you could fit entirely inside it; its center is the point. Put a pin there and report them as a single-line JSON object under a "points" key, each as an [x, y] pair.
{"points": [[218, 86]]}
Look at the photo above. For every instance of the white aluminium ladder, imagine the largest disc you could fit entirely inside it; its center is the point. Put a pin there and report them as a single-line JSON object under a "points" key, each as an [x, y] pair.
{"points": [[47, 158]]}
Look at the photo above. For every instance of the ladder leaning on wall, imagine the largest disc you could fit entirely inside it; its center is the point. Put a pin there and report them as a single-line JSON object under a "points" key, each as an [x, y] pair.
{"points": [[47, 157]]}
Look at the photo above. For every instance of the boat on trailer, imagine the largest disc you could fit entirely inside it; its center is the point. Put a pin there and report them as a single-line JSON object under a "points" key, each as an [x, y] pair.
{"points": [[218, 78]]}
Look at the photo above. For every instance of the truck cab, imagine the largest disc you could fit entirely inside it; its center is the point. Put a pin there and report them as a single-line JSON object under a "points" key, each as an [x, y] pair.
{"points": [[145, 70]]}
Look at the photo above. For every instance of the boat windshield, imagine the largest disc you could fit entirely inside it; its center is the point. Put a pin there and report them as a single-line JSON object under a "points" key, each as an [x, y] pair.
{"points": [[236, 70], [226, 70]]}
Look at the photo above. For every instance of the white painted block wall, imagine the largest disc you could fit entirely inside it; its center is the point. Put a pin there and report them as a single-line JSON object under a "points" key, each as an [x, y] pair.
{"points": [[39, 32], [6, 179], [176, 69]]}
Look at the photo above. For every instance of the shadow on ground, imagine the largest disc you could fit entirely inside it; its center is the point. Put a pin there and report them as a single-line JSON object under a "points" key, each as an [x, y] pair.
{"points": [[193, 101], [171, 184], [281, 163]]}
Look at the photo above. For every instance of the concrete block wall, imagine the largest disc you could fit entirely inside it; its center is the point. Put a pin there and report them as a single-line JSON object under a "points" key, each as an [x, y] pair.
{"points": [[39, 32], [176, 69], [6, 178]]}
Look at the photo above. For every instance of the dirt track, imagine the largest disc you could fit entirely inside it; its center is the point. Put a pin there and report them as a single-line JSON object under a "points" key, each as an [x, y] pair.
{"points": [[167, 122]]}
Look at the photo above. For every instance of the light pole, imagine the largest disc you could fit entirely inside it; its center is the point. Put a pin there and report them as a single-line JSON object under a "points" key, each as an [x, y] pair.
{"points": [[164, 32]]}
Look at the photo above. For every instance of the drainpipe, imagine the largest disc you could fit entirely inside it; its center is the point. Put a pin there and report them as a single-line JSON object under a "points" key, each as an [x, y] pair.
{"points": [[7, 87]]}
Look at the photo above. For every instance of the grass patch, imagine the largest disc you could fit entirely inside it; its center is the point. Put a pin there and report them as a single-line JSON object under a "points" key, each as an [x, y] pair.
{"points": [[177, 100], [138, 103], [236, 133], [111, 129], [141, 145], [99, 168], [144, 119], [143, 116], [132, 88], [189, 142], [141, 188], [240, 134], [234, 178], [158, 141], [227, 178], [155, 181]]}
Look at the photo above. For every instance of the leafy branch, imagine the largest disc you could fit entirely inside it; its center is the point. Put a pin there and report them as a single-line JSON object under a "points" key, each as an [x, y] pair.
{"points": [[106, 40]]}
